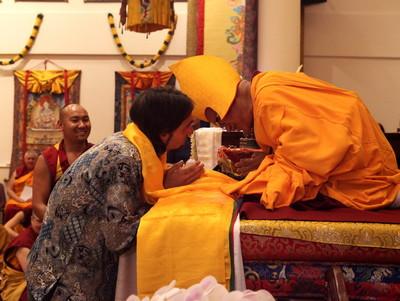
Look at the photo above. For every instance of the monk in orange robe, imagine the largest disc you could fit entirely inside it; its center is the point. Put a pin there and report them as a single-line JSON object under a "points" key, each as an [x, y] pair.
{"points": [[21, 177], [324, 139]]}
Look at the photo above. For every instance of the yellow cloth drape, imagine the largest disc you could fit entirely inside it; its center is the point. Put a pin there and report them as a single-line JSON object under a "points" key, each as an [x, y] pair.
{"points": [[341, 233], [185, 235], [12, 285], [51, 81], [18, 187], [324, 140]]}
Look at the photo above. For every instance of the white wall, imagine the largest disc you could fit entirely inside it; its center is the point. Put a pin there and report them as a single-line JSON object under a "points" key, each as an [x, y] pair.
{"points": [[75, 35], [356, 45], [278, 35]]}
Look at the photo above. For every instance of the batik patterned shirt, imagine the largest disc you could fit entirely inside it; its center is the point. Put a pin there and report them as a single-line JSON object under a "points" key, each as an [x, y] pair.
{"points": [[92, 216]]}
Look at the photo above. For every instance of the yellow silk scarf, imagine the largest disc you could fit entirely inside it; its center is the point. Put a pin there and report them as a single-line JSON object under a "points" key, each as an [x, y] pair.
{"points": [[185, 235], [152, 166]]}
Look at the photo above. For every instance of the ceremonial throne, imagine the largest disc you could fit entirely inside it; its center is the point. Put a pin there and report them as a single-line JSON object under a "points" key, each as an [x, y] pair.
{"points": [[321, 254]]}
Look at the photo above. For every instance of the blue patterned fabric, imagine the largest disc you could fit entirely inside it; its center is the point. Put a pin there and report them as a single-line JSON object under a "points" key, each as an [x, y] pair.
{"points": [[308, 279], [93, 215]]}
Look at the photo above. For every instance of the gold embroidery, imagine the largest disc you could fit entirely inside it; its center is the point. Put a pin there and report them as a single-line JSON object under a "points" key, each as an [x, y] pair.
{"points": [[342, 233]]}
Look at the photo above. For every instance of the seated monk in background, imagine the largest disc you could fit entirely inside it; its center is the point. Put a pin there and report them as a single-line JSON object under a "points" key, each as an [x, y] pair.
{"points": [[324, 140], [22, 219], [13, 283], [20, 178], [11, 229]]}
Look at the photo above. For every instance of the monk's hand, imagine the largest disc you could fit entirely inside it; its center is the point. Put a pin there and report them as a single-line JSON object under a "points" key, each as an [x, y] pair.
{"points": [[244, 166], [21, 200], [180, 174]]}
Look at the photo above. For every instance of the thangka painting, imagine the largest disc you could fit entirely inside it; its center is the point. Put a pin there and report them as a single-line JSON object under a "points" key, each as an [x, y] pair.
{"points": [[128, 85], [226, 28], [39, 97]]}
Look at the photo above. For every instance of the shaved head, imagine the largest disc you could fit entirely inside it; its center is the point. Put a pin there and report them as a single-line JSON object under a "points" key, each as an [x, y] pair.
{"points": [[75, 123], [30, 158], [31, 152], [69, 109]]}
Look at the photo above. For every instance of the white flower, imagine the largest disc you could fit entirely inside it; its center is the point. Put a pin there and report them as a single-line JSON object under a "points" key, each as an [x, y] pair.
{"points": [[213, 289], [207, 290], [169, 293], [133, 298]]}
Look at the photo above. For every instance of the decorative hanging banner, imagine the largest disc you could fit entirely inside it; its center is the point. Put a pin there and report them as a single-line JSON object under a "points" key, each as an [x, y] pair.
{"points": [[39, 97], [226, 28], [128, 85], [149, 16]]}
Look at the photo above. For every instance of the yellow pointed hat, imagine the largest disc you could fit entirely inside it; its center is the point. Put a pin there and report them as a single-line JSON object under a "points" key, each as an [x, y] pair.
{"points": [[209, 81]]}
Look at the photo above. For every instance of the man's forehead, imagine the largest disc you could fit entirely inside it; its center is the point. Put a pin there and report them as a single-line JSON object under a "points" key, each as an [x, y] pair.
{"points": [[79, 113], [73, 111], [31, 154]]}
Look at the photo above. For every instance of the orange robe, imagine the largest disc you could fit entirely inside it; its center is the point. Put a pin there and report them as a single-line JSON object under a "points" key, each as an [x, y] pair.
{"points": [[324, 141], [13, 206], [13, 284]]}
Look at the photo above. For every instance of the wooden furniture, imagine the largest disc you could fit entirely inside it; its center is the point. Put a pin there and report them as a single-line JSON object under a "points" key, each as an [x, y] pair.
{"points": [[336, 285], [2, 201], [394, 140]]}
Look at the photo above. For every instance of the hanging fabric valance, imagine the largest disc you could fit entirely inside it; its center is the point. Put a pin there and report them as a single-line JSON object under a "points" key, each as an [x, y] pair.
{"points": [[51, 81]]}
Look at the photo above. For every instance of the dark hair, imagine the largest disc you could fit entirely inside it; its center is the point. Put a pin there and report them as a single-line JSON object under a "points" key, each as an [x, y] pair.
{"points": [[158, 111]]}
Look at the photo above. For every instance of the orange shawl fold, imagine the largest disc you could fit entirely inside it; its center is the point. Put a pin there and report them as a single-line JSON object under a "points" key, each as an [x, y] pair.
{"points": [[19, 185]]}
